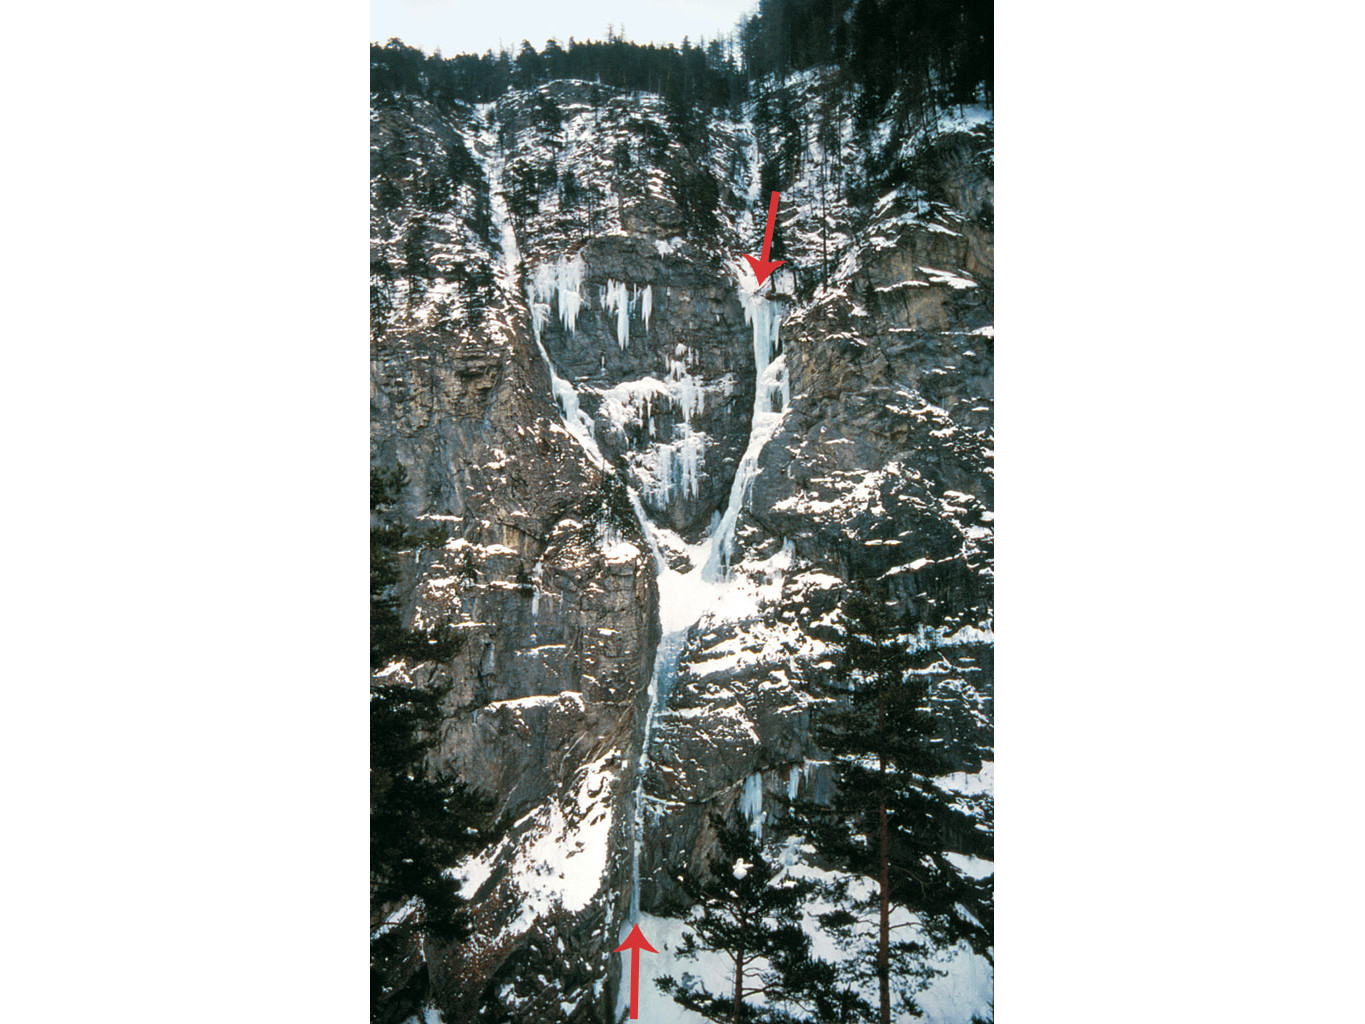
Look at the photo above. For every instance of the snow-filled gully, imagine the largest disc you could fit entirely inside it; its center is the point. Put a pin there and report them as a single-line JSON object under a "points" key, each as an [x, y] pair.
{"points": [[709, 584]]}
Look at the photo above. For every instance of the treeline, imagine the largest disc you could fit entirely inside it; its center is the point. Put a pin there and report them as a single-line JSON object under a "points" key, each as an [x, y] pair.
{"points": [[686, 74], [938, 52]]}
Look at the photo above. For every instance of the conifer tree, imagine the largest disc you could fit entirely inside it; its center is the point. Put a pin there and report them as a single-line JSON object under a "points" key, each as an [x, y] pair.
{"points": [[390, 538], [888, 821], [748, 910], [419, 828]]}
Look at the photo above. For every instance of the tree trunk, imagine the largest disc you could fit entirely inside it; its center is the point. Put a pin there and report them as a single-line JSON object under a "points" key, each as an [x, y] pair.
{"points": [[739, 987], [884, 879], [824, 221]]}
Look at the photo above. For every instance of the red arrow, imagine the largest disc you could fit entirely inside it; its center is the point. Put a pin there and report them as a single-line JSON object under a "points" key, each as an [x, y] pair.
{"points": [[636, 942], [764, 266]]}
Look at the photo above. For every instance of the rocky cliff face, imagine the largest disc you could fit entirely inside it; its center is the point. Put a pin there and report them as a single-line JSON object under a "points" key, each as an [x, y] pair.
{"points": [[644, 484]]}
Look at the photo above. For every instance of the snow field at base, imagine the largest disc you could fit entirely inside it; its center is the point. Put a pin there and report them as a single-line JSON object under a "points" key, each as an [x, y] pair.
{"points": [[666, 934], [965, 989]]}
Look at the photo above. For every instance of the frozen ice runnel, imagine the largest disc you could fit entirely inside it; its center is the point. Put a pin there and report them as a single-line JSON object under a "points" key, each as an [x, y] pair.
{"points": [[771, 387]]}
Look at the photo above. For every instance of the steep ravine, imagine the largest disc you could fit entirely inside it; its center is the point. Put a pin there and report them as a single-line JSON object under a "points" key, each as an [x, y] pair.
{"points": [[684, 594]]}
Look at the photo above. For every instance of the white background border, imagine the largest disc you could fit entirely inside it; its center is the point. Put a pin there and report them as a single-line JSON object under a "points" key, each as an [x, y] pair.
{"points": [[1179, 556]]}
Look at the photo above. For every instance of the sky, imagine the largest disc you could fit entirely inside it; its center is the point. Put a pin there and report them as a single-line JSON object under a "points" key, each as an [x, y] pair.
{"points": [[473, 26]]}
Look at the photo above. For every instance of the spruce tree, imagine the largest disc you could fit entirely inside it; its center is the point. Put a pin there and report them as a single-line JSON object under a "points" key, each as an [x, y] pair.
{"points": [[748, 909], [888, 821]]}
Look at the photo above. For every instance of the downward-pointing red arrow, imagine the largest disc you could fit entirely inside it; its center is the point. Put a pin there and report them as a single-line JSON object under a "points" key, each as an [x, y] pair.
{"points": [[636, 942], [764, 266]]}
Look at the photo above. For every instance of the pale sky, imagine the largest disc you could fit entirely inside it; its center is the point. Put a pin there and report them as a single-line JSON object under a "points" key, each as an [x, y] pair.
{"points": [[473, 26]]}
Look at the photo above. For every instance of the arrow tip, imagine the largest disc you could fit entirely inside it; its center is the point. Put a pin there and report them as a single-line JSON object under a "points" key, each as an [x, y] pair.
{"points": [[635, 940], [763, 268]]}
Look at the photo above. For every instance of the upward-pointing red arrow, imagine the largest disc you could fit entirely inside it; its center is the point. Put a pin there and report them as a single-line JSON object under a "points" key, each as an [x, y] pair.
{"points": [[764, 266], [635, 942]]}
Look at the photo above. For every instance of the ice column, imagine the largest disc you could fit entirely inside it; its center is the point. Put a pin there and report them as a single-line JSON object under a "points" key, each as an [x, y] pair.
{"points": [[751, 803]]}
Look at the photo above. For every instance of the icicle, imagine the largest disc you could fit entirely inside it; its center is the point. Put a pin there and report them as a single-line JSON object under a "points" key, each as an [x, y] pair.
{"points": [[690, 453], [561, 284], [751, 803], [618, 298], [542, 287], [569, 281], [537, 574], [648, 303], [663, 474]]}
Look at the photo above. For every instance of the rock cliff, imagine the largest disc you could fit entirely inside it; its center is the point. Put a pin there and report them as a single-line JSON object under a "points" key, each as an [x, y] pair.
{"points": [[643, 483]]}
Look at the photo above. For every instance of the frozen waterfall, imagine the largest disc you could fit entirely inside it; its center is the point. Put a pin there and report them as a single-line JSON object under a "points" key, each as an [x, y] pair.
{"points": [[771, 394]]}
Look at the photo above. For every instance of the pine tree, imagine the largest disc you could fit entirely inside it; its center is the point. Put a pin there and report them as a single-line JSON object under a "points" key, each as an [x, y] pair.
{"points": [[416, 267], [570, 194], [381, 293], [748, 910], [419, 827], [390, 539], [888, 821]]}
